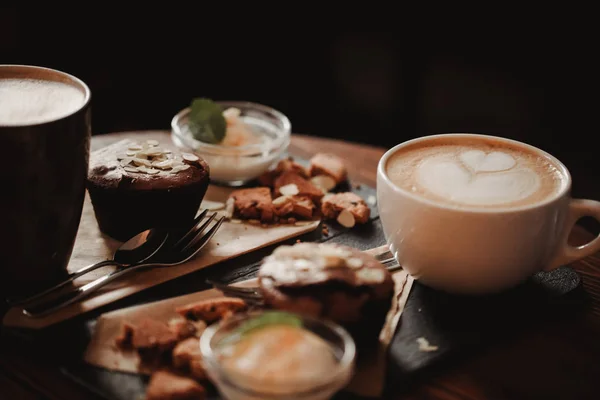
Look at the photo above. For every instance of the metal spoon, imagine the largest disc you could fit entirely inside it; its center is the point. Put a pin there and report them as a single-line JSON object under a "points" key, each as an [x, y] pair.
{"points": [[137, 249]]}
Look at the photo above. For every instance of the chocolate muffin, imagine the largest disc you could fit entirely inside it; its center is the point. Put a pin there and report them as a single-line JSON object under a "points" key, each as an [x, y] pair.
{"points": [[135, 186], [330, 281]]}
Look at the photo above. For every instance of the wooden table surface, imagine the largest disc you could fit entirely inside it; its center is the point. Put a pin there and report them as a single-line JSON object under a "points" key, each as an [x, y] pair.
{"points": [[561, 362]]}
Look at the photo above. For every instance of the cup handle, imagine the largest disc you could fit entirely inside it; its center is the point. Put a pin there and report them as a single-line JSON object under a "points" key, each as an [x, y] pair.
{"points": [[578, 208]]}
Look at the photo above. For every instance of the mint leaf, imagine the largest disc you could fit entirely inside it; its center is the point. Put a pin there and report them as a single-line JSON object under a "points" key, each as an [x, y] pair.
{"points": [[206, 121]]}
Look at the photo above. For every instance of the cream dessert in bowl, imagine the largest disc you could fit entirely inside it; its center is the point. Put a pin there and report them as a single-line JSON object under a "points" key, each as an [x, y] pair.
{"points": [[277, 355], [239, 140]]}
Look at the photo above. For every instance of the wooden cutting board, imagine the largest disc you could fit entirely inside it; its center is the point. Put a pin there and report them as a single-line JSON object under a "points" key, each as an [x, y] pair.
{"points": [[91, 246]]}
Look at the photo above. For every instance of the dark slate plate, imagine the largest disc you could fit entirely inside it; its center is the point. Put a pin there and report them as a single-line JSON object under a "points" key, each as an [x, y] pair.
{"points": [[458, 325]]}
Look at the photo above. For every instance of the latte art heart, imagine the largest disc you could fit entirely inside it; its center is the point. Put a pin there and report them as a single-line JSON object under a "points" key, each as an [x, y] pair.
{"points": [[479, 161], [476, 178]]}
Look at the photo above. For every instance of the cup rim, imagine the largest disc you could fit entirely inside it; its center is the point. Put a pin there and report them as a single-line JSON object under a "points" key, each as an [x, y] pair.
{"points": [[381, 172], [73, 78]]}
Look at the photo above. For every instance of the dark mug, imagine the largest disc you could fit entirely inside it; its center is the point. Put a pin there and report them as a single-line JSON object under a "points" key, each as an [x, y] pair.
{"points": [[45, 129]]}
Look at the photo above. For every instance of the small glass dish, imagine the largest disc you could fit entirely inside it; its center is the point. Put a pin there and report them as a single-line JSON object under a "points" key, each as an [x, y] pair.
{"points": [[238, 165], [283, 379]]}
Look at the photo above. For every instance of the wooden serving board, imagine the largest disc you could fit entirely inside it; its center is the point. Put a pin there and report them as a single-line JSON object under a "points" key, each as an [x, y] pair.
{"points": [[91, 246]]}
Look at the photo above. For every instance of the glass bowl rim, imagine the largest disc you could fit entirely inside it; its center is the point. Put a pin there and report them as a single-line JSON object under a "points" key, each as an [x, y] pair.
{"points": [[279, 142], [347, 360]]}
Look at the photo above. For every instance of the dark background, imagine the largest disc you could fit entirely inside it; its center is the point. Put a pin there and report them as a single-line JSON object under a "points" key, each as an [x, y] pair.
{"points": [[532, 84]]}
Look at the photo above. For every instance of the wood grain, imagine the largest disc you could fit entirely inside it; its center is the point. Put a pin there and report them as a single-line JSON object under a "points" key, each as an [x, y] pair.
{"points": [[553, 362]]}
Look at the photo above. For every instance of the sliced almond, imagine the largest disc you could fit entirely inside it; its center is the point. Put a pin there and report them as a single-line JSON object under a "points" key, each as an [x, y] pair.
{"points": [[130, 169], [289, 190], [281, 200], [424, 345], [126, 161], [189, 157], [354, 262], [130, 153], [152, 171], [324, 182], [134, 147], [346, 219], [212, 205], [142, 169], [371, 275], [141, 162], [229, 207], [154, 151], [165, 164], [152, 142]]}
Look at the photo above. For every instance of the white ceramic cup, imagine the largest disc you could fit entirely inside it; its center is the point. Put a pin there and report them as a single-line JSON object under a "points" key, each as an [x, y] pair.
{"points": [[476, 251]]}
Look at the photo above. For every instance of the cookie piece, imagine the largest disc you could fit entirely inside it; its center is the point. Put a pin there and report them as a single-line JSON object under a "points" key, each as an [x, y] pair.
{"points": [[184, 328], [304, 187], [211, 310], [330, 165], [253, 203], [188, 358], [333, 204], [298, 206], [153, 340], [285, 165], [165, 385]]}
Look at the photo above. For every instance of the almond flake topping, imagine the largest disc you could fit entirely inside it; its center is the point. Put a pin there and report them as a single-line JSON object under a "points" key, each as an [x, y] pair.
{"points": [[151, 159]]}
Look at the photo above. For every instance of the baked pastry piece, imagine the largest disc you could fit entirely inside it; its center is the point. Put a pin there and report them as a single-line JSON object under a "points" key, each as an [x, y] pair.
{"points": [[294, 206], [298, 185], [330, 165], [135, 186], [284, 165], [166, 385], [334, 204], [188, 358], [211, 310], [153, 340], [253, 203], [329, 281]]}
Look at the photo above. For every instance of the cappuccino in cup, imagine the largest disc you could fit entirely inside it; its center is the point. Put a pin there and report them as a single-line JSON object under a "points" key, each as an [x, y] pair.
{"points": [[469, 213], [45, 127], [482, 173], [33, 101]]}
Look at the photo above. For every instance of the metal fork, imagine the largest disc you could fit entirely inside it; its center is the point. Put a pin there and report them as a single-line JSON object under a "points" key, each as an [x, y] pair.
{"points": [[252, 295], [180, 249]]}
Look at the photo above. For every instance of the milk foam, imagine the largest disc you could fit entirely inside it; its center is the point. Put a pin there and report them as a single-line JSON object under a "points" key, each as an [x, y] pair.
{"points": [[30, 101], [478, 174]]}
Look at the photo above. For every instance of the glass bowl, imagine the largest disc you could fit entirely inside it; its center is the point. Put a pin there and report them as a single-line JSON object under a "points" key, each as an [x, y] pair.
{"points": [[316, 382], [237, 166]]}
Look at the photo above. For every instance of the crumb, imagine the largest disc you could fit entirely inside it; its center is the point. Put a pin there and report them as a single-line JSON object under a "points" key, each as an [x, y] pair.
{"points": [[164, 385], [357, 186], [182, 328], [211, 310], [124, 339], [298, 241], [334, 204], [325, 230]]}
